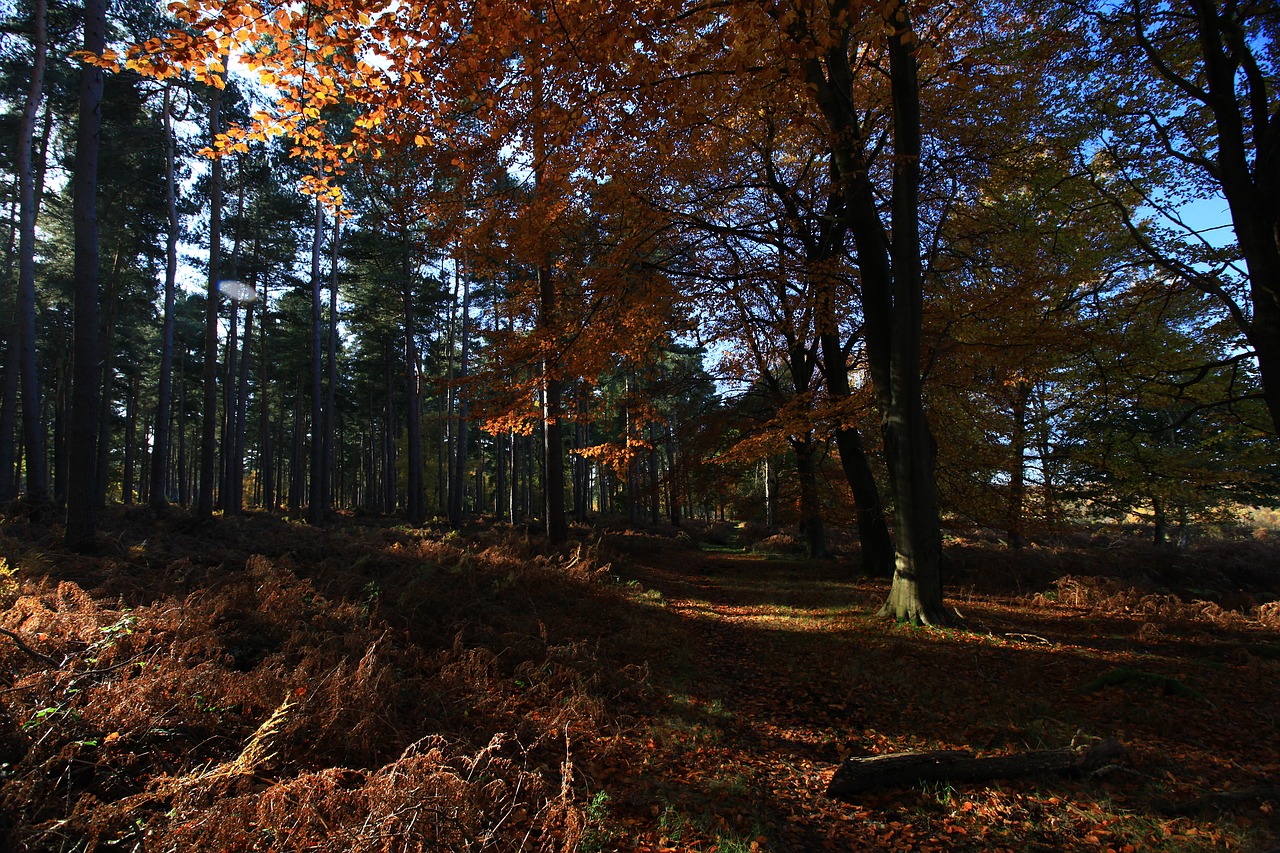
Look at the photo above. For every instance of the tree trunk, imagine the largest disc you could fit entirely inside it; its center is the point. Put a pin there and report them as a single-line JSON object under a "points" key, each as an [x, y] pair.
{"points": [[553, 443], [209, 415], [184, 488], [235, 467], [891, 283], [856, 775], [230, 361], [37, 488], [655, 493], [266, 463], [81, 526], [331, 394], [389, 442], [130, 439], [415, 500], [317, 512], [297, 468], [456, 481], [159, 496]]}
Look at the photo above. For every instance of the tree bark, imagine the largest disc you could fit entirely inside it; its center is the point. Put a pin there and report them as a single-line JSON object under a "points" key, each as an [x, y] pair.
{"points": [[37, 489], [317, 512], [235, 466], [856, 775], [81, 526], [130, 439], [159, 493], [415, 500], [265, 448], [891, 286], [331, 394], [209, 415], [456, 482]]}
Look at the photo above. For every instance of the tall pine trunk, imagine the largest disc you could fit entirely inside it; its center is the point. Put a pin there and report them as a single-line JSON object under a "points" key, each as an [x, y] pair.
{"points": [[415, 500], [159, 495], [37, 488], [457, 481], [209, 415], [317, 512], [330, 407], [81, 524]]}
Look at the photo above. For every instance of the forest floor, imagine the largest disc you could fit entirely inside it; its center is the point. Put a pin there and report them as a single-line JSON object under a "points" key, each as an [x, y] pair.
{"points": [[255, 684]]}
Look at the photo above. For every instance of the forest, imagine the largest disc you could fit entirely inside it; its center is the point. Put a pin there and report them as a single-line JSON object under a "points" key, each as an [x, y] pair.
{"points": [[602, 420]]}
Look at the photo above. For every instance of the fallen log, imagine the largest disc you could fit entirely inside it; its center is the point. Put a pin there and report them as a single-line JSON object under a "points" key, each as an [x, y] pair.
{"points": [[858, 774]]}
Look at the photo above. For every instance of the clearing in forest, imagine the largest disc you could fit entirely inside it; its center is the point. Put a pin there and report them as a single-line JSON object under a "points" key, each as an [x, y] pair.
{"points": [[257, 684]]}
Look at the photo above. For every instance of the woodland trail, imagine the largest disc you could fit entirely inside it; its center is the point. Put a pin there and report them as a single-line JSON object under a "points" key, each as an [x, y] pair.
{"points": [[763, 652], [776, 669]]}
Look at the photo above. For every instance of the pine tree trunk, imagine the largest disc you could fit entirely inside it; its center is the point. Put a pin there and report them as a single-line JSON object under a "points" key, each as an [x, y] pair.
{"points": [[297, 467], [130, 439], [81, 526], [331, 395], [37, 488], [235, 479], [415, 506], [265, 445], [209, 414], [159, 492], [32, 429], [317, 512], [460, 445]]}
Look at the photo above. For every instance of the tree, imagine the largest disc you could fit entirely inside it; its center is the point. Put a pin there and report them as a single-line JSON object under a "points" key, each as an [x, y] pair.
{"points": [[32, 429], [1185, 94], [82, 490]]}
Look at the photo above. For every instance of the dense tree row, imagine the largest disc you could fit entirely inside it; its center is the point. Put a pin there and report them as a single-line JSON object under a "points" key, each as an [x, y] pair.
{"points": [[816, 261]]}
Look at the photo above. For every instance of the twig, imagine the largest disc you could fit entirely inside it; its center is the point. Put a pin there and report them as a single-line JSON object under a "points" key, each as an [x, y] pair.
{"points": [[1029, 637], [22, 646]]}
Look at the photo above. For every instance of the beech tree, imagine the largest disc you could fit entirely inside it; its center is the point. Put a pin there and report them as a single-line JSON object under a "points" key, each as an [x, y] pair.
{"points": [[1185, 105]]}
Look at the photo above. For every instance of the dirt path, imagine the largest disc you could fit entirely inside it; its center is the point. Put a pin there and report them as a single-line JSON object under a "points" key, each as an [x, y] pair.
{"points": [[774, 670], [762, 660]]}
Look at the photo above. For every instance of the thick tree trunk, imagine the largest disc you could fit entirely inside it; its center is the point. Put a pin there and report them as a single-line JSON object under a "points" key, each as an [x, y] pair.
{"points": [[81, 526], [209, 415], [37, 488], [857, 775], [891, 281], [159, 495]]}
